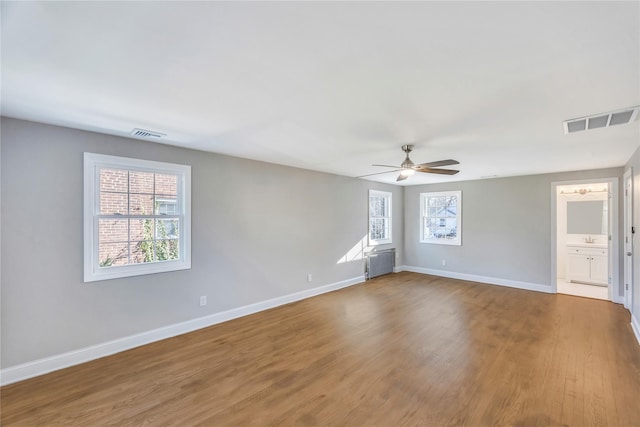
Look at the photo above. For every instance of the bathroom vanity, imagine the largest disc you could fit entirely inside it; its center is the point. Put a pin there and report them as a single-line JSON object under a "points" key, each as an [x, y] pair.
{"points": [[588, 263]]}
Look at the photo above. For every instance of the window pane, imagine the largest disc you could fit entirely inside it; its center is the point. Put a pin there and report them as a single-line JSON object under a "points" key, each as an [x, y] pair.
{"points": [[167, 185], [114, 180], [140, 204], [440, 217], [136, 213], [167, 228], [111, 254], [377, 206], [142, 252], [166, 205], [113, 230], [428, 232], [142, 229], [141, 182], [113, 204], [377, 228], [167, 250]]}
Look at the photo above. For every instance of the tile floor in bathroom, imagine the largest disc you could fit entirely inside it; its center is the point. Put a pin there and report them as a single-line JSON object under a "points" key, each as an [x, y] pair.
{"points": [[582, 290]]}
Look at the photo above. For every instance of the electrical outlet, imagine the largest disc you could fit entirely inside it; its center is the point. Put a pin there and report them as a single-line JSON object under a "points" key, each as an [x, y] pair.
{"points": [[309, 277], [203, 300], [444, 262]]}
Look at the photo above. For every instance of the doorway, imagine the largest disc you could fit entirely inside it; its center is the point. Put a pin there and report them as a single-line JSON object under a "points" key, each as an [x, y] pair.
{"points": [[584, 238], [628, 238]]}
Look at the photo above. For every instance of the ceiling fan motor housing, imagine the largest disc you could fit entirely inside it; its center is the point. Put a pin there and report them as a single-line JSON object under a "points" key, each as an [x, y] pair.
{"points": [[407, 164]]}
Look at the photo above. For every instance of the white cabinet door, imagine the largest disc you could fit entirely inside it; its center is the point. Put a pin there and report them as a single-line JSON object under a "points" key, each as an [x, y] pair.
{"points": [[578, 267], [599, 269]]}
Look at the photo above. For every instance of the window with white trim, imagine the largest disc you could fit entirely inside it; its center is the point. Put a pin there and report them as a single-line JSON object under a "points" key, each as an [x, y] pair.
{"points": [[441, 219], [379, 217], [137, 217]]}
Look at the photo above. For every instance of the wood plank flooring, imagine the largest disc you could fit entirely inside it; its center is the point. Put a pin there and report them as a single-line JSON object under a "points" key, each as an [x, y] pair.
{"points": [[401, 350]]}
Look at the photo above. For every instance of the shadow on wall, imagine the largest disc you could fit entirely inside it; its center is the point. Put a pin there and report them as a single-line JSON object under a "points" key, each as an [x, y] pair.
{"points": [[356, 253]]}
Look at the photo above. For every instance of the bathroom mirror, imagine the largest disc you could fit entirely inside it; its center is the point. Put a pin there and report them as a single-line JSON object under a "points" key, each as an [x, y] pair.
{"points": [[587, 217]]}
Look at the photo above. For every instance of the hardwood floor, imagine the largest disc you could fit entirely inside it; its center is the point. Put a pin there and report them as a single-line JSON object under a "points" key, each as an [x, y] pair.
{"points": [[404, 349]]}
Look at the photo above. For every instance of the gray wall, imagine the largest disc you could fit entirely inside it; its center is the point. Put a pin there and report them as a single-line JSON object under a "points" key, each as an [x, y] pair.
{"points": [[634, 162], [258, 229], [506, 228]]}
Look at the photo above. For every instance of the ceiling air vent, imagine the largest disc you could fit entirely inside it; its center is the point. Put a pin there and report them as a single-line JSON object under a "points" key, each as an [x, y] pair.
{"points": [[601, 120], [142, 133]]}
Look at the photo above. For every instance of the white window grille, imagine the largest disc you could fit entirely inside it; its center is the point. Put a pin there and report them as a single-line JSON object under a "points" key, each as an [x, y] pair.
{"points": [[379, 217], [441, 217], [136, 217]]}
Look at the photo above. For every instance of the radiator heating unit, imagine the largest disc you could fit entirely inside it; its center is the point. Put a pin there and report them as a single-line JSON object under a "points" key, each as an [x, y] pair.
{"points": [[380, 263]]}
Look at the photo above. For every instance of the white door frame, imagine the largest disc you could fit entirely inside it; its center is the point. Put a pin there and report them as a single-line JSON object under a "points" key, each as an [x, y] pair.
{"points": [[627, 183], [614, 234]]}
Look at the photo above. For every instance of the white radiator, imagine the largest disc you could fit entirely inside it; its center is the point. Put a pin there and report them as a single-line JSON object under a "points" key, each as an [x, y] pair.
{"points": [[380, 263]]}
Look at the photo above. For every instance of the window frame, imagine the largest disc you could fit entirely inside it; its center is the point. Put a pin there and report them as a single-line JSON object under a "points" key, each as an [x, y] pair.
{"points": [[389, 196], [424, 215], [92, 164]]}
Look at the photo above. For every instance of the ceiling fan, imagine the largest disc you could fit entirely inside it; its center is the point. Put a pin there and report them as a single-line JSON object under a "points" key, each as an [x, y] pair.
{"points": [[408, 168]]}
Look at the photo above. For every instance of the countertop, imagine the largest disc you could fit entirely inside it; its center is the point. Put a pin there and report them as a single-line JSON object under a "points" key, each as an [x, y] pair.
{"points": [[587, 245]]}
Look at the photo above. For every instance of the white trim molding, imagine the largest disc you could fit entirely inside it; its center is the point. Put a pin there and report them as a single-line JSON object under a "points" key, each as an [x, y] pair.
{"points": [[94, 270], [387, 195], [442, 239], [635, 326], [481, 279], [49, 364], [617, 299], [613, 244]]}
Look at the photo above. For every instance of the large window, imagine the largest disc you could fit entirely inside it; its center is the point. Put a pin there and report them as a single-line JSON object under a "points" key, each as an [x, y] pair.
{"points": [[136, 217], [441, 220], [379, 217]]}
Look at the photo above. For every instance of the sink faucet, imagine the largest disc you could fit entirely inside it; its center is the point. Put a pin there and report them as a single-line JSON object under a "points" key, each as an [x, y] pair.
{"points": [[589, 240]]}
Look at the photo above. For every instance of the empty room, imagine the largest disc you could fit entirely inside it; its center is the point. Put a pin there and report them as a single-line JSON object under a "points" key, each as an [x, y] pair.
{"points": [[320, 213]]}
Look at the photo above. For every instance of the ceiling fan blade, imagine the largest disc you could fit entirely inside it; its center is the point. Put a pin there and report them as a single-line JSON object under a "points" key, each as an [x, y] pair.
{"points": [[377, 173], [448, 162], [401, 177], [440, 171], [387, 166]]}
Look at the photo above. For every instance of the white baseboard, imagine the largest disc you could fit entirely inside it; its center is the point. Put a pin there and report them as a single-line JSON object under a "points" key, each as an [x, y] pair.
{"points": [[398, 269], [627, 299], [635, 325], [42, 366], [482, 279], [617, 298]]}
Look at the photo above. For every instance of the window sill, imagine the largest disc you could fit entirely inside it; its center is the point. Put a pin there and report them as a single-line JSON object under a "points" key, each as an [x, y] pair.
{"points": [[135, 270]]}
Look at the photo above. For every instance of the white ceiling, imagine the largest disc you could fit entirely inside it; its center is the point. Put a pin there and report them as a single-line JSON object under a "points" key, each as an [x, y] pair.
{"points": [[335, 87]]}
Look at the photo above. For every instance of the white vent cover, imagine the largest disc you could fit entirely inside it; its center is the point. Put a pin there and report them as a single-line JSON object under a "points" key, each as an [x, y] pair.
{"points": [[142, 133], [601, 120]]}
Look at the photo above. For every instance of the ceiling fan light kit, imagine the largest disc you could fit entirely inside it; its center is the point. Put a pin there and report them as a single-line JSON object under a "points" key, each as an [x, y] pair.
{"points": [[407, 172], [408, 168]]}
